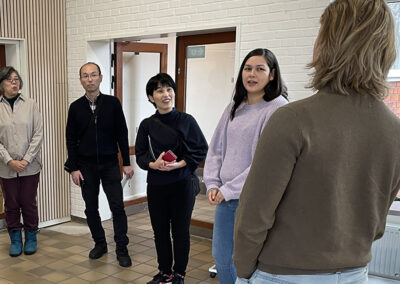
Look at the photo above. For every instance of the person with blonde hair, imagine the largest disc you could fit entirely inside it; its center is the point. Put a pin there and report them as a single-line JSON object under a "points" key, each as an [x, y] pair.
{"points": [[311, 216]]}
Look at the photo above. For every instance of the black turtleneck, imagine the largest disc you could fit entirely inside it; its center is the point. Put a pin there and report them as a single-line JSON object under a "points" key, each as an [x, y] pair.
{"points": [[163, 138], [12, 100]]}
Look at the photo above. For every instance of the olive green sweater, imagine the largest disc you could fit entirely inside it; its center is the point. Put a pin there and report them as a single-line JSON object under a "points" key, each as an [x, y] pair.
{"points": [[324, 174]]}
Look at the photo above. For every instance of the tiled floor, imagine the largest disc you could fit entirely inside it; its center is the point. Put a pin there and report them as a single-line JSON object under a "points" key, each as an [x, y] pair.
{"points": [[203, 211], [62, 257]]}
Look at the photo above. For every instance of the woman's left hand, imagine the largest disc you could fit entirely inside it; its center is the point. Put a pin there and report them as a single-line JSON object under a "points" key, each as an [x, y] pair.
{"points": [[219, 197], [170, 166]]}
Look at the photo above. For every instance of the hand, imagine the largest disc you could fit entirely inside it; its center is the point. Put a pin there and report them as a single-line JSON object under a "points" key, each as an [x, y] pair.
{"points": [[175, 165], [128, 171], [77, 177], [212, 194], [17, 166], [159, 164], [24, 163], [219, 197]]}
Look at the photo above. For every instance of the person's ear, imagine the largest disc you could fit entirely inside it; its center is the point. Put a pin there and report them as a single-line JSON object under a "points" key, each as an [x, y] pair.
{"points": [[272, 75], [151, 98]]}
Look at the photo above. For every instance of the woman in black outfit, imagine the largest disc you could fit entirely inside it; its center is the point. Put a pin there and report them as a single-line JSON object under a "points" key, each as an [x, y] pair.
{"points": [[170, 194]]}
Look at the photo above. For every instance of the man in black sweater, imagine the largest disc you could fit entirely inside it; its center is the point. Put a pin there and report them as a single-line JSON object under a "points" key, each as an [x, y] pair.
{"points": [[96, 127]]}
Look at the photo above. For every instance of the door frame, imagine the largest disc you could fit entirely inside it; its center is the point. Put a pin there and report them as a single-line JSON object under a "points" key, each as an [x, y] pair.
{"points": [[182, 42], [119, 49]]}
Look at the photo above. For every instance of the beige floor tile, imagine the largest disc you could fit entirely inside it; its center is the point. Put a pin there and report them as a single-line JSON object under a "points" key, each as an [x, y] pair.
{"points": [[76, 258], [92, 276], [141, 258], [25, 266], [144, 268], [76, 249], [59, 265], [142, 280], [109, 269], [75, 270], [56, 276], [128, 275], [74, 280], [111, 280]]}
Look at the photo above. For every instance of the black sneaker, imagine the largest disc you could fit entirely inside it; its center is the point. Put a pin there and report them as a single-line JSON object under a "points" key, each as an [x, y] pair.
{"points": [[98, 251], [178, 279], [123, 257], [161, 278]]}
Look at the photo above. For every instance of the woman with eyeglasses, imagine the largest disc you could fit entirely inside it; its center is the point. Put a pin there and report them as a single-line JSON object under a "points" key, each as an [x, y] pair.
{"points": [[21, 135]]}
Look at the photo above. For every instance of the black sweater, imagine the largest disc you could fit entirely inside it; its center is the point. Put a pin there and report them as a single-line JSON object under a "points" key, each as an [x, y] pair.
{"points": [[96, 139], [164, 139]]}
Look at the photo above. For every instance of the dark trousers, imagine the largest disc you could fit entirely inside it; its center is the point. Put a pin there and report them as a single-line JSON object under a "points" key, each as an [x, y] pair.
{"points": [[170, 208], [109, 175], [20, 197]]}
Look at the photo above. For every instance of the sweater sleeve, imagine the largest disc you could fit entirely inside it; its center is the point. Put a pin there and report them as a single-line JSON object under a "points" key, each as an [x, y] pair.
{"points": [[72, 141], [216, 152], [37, 135], [142, 152], [122, 133], [278, 147], [196, 145]]}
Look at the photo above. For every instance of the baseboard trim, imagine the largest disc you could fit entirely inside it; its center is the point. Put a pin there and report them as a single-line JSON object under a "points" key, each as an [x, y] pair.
{"points": [[135, 201]]}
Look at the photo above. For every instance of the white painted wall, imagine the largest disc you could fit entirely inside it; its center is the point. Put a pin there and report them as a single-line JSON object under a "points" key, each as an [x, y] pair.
{"points": [[287, 27]]}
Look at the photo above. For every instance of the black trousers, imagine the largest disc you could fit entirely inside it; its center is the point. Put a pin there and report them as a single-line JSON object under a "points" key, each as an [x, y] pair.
{"points": [[170, 208], [109, 175]]}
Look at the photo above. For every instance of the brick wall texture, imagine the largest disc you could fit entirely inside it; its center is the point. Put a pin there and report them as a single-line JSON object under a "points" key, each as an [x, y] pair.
{"points": [[393, 99]]}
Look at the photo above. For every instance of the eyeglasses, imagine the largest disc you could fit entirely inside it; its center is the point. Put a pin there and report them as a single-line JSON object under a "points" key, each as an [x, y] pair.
{"points": [[11, 80], [87, 76]]}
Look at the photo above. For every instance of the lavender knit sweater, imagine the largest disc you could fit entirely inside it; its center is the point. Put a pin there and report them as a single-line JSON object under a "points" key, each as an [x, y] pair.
{"points": [[233, 145]]}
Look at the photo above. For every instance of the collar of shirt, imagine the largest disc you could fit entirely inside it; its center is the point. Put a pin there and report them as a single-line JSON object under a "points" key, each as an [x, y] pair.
{"points": [[93, 103], [20, 96]]}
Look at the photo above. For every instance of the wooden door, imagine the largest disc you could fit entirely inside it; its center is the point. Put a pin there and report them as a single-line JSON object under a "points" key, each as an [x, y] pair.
{"points": [[123, 47]]}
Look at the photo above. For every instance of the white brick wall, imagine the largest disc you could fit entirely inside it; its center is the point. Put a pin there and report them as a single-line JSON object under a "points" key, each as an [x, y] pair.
{"points": [[287, 27]]}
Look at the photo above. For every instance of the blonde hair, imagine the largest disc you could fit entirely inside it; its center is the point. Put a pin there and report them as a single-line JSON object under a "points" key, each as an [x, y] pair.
{"points": [[355, 48]]}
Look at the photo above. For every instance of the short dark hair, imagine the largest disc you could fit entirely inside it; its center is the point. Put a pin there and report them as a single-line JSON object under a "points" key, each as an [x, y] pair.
{"points": [[161, 79], [87, 63], [272, 90], [5, 73]]}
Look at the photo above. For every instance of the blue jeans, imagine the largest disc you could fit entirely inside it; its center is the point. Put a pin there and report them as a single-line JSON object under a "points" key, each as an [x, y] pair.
{"points": [[352, 276], [222, 245]]}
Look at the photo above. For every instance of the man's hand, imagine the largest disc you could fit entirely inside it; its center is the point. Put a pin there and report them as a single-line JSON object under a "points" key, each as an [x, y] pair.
{"points": [[128, 171], [17, 166], [77, 177]]}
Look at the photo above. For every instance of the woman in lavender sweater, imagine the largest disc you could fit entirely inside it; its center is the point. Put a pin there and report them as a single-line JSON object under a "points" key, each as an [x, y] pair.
{"points": [[258, 93]]}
